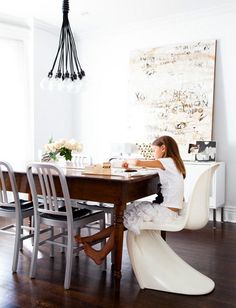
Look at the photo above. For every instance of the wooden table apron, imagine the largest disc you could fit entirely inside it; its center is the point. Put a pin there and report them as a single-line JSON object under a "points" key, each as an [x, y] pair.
{"points": [[115, 190]]}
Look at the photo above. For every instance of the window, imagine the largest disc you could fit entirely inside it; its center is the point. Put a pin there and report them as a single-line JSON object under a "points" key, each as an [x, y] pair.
{"points": [[15, 141]]}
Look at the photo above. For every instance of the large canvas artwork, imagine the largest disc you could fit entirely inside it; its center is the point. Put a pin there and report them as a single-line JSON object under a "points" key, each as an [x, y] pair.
{"points": [[171, 91]]}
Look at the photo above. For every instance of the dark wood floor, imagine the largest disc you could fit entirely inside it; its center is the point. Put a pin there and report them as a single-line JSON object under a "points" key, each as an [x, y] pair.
{"points": [[213, 252]]}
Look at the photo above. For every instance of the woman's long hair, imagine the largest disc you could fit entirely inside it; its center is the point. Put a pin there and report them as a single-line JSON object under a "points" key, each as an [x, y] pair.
{"points": [[172, 151]]}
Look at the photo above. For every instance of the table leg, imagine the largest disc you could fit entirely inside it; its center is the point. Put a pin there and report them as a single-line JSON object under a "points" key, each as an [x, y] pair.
{"points": [[119, 230]]}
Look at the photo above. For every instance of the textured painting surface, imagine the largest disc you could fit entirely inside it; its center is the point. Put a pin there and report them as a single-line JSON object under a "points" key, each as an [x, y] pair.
{"points": [[171, 92]]}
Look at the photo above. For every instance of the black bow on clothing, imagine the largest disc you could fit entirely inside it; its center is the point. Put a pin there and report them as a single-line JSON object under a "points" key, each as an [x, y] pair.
{"points": [[159, 198]]}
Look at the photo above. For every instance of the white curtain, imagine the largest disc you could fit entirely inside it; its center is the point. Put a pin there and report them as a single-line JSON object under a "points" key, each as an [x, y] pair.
{"points": [[15, 133]]}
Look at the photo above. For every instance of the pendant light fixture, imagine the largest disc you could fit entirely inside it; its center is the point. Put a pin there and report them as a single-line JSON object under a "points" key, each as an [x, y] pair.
{"points": [[68, 73]]}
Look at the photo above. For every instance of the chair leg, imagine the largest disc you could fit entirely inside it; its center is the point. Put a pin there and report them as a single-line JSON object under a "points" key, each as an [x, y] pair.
{"points": [[35, 250], [89, 231], [62, 230], [78, 231], [52, 246], [69, 258], [21, 233], [157, 266], [222, 214], [32, 232], [102, 224], [17, 247], [214, 218]]}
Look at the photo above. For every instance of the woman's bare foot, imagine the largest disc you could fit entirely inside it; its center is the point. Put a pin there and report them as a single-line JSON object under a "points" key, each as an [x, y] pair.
{"points": [[84, 239], [95, 255]]}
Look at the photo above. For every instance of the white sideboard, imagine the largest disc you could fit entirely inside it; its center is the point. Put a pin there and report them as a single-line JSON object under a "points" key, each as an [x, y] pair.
{"points": [[217, 194], [217, 197]]}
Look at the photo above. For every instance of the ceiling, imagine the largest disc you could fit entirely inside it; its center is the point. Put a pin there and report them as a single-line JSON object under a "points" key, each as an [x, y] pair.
{"points": [[93, 15]]}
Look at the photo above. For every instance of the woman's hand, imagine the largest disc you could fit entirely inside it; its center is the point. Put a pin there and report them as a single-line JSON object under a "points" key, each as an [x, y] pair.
{"points": [[125, 165], [132, 162]]}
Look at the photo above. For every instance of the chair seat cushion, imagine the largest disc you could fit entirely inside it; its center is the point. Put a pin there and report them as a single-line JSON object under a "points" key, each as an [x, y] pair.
{"points": [[77, 214], [25, 206]]}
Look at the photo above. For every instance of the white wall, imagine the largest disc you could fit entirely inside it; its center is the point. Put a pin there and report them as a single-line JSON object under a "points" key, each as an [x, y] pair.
{"points": [[101, 110]]}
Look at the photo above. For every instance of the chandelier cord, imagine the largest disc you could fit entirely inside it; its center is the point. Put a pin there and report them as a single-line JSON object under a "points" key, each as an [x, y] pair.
{"points": [[67, 52]]}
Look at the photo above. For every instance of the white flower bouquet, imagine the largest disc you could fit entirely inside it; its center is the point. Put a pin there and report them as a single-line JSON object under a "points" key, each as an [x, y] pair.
{"points": [[61, 147]]}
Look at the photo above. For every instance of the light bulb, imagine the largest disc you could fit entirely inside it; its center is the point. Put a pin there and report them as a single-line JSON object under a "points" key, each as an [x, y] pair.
{"points": [[84, 85], [44, 84], [60, 85], [71, 87], [78, 85], [51, 84], [54, 83], [64, 84]]}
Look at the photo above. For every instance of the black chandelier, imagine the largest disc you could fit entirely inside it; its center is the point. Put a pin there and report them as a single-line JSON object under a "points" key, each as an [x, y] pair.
{"points": [[69, 70]]}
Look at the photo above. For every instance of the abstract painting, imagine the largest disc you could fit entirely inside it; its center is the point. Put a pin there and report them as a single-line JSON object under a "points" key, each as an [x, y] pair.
{"points": [[171, 92]]}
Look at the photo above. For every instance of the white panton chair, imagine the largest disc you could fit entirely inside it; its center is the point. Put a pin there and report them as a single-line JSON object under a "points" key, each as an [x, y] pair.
{"points": [[155, 264]]}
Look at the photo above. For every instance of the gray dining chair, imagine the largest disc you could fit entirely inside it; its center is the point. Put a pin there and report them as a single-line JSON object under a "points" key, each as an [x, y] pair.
{"points": [[108, 210], [81, 160], [15, 210], [48, 180]]}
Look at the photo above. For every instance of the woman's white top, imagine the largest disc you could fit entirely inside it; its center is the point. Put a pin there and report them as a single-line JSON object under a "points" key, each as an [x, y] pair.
{"points": [[172, 184], [172, 188]]}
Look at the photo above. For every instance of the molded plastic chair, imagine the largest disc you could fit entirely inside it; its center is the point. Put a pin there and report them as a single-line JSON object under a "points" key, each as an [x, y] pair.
{"points": [[50, 178], [12, 207], [155, 264]]}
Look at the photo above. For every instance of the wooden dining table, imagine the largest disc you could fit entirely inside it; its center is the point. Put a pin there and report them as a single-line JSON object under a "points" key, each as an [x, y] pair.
{"points": [[118, 189]]}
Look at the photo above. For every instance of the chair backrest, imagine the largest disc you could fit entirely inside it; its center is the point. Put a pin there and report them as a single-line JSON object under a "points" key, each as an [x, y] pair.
{"points": [[48, 180], [197, 208], [81, 160], [8, 184]]}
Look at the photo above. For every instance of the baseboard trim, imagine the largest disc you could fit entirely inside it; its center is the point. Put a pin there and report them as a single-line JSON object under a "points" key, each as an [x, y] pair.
{"points": [[229, 214]]}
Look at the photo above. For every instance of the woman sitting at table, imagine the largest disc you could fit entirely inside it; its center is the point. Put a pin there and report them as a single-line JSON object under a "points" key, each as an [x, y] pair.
{"points": [[164, 208]]}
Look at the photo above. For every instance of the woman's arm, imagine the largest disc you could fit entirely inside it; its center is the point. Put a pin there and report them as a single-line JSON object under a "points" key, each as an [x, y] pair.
{"points": [[143, 163]]}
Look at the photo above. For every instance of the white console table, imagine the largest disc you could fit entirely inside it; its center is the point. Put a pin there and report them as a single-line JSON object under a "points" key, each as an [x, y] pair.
{"points": [[217, 194], [217, 197]]}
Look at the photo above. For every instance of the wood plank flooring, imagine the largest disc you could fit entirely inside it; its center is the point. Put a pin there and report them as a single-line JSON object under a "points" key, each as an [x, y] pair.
{"points": [[213, 252]]}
